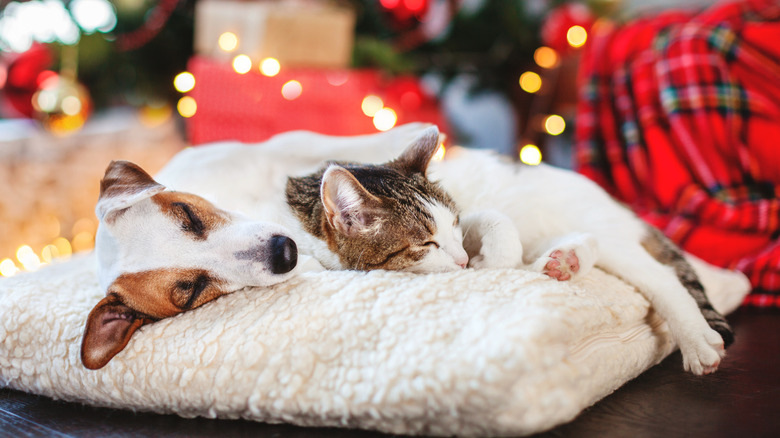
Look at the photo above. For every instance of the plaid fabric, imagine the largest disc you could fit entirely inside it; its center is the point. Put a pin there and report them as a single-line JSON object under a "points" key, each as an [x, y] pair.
{"points": [[679, 117]]}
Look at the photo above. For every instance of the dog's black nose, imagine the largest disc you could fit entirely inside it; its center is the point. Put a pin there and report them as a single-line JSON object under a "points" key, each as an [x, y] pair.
{"points": [[284, 254]]}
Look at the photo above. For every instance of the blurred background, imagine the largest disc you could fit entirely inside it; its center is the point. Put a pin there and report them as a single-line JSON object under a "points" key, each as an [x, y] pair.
{"points": [[84, 82]]}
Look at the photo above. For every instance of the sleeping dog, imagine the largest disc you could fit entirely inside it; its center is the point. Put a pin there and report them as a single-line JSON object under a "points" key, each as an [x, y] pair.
{"points": [[162, 252]]}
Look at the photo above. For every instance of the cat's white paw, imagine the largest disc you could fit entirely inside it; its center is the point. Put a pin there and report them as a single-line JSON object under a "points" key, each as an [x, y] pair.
{"points": [[702, 351], [569, 258], [562, 265], [491, 240]]}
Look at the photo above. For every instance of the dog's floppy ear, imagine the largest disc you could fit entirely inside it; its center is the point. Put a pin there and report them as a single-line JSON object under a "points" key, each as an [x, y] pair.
{"points": [[416, 157], [109, 327], [123, 185]]}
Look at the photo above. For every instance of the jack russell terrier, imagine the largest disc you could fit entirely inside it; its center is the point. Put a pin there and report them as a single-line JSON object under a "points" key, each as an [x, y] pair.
{"points": [[161, 253]]}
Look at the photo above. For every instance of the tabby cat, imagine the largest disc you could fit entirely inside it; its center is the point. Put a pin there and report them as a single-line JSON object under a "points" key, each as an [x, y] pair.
{"points": [[394, 216]]}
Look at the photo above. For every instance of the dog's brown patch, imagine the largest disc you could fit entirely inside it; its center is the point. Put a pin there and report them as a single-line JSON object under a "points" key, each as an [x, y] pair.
{"points": [[196, 215], [161, 293]]}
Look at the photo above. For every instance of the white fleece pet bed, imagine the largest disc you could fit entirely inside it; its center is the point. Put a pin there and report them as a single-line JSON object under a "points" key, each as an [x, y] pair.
{"points": [[494, 352]]}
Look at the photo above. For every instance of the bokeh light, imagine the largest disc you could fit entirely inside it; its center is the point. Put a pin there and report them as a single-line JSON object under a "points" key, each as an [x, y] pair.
{"points": [[184, 82], [49, 253], [28, 258], [93, 15], [83, 241], [554, 124], [228, 41], [270, 67], [371, 104], [530, 82], [576, 36], [242, 64], [63, 246], [530, 154], [546, 57], [187, 106], [8, 268], [385, 119], [292, 90]]}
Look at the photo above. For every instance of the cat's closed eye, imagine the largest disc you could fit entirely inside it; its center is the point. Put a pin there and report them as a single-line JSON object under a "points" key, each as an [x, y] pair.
{"points": [[431, 243]]}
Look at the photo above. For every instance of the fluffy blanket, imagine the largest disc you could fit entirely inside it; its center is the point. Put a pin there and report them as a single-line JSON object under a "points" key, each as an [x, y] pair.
{"points": [[494, 352]]}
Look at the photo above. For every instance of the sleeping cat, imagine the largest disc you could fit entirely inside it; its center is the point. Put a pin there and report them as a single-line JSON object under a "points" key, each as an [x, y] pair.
{"points": [[392, 216]]}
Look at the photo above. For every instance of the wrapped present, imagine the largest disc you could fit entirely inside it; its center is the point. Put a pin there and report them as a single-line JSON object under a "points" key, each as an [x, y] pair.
{"points": [[306, 33], [252, 107]]}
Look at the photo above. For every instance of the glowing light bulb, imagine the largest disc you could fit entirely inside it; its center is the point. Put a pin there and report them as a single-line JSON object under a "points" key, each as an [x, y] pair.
{"points": [[530, 154], [530, 82], [554, 124], [187, 106], [228, 41], [270, 67], [371, 104], [292, 90], [242, 64], [385, 119], [576, 36], [546, 57], [184, 82]]}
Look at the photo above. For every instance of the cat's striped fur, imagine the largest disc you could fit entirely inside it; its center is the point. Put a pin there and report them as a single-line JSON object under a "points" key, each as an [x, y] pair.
{"points": [[386, 216]]}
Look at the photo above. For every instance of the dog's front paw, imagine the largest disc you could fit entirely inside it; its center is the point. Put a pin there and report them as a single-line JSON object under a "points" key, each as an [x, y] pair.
{"points": [[702, 352]]}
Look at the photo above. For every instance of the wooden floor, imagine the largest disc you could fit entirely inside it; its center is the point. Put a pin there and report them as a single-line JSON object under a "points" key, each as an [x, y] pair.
{"points": [[741, 400]]}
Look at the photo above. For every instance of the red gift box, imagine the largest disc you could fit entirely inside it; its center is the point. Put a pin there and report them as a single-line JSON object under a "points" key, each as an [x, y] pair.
{"points": [[250, 107]]}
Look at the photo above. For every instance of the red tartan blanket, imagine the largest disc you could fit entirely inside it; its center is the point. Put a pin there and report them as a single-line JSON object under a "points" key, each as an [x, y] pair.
{"points": [[679, 117]]}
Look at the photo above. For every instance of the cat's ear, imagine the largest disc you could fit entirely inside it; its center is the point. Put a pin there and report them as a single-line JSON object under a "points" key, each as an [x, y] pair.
{"points": [[349, 207], [416, 157]]}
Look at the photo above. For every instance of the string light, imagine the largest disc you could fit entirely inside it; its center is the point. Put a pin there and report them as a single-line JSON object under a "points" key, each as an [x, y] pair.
{"points": [[371, 104], [187, 106], [554, 124], [270, 67], [292, 90], [545, 57], [184, 82], [530, 154], [228, 41], [576, 36], [242, 64], [385, 119], [530, 82]]}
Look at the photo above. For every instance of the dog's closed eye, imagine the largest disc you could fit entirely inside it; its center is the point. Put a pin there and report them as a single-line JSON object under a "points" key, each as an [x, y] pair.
{"points": [[191, 223], [188, 291]]}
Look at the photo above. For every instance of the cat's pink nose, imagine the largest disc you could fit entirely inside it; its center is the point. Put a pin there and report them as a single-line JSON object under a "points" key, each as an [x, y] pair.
{"points": [[463, 264]]}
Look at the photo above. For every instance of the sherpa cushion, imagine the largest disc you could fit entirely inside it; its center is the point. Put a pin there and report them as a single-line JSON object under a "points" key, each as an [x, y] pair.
{"points": [[469, 353]]}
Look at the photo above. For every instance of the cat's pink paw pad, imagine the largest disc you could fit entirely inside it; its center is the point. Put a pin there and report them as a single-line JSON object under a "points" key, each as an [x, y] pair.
{"points": [[562, 266]]}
